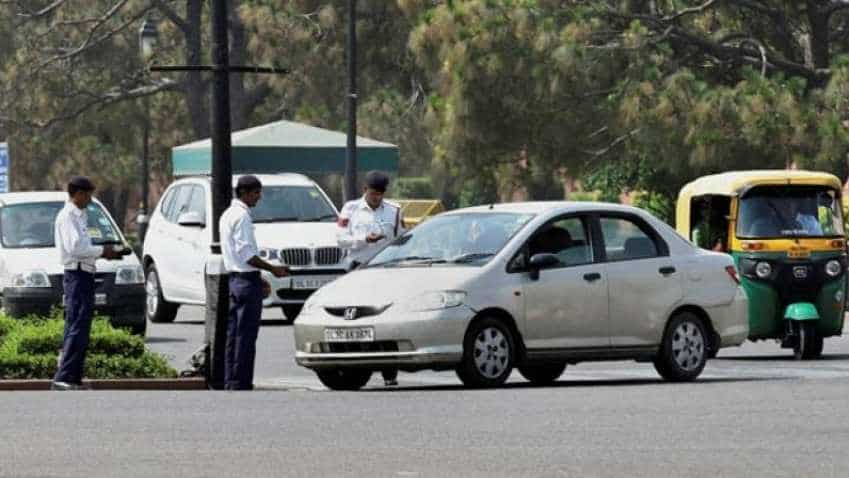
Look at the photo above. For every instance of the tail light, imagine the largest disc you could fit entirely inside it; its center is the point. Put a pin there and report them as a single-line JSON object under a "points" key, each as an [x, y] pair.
{"points": [[732, 272]]}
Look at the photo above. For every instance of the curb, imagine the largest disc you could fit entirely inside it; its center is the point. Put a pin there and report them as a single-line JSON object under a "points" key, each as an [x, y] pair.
{"points": [[111, 384]]}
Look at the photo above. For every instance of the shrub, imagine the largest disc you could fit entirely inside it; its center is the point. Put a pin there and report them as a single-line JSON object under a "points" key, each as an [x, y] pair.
{"points": [[29, 349]]}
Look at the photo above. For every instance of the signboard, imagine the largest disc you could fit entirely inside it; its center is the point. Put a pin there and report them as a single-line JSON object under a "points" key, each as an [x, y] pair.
{"points": [[4, 168]]}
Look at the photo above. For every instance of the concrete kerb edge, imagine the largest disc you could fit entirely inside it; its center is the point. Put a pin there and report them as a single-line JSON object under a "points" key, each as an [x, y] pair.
{"points": [[111, 384]]}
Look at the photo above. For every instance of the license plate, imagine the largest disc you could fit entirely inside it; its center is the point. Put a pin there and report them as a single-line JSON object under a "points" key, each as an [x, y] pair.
{"points": [[349, 334], [310, 283], [99, 299], [798, 253]]}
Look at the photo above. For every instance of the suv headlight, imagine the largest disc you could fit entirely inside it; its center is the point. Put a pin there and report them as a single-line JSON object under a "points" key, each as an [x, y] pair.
{"points": [[129, 275], [268, 254], [31, 279], [833, 268], [436, 300]]}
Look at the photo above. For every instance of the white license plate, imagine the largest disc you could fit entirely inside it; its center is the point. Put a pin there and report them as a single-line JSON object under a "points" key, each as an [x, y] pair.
{"points": [[310, 283], [99, 299], [349, 334]]}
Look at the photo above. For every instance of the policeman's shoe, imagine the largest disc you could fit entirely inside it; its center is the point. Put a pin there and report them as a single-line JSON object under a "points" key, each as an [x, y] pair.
{"points": [[390, 382], [65, 386]]}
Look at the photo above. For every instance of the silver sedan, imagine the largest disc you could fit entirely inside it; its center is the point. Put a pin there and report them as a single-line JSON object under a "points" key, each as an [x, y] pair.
{"points": [[535, 286]]}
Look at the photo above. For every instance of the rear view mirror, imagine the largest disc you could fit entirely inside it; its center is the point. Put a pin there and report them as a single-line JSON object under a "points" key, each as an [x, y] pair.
{"points": [[542, 261], [191, 219]]}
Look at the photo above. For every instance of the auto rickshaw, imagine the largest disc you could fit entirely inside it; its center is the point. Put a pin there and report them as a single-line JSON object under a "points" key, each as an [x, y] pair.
{"points": [[784, 229]]}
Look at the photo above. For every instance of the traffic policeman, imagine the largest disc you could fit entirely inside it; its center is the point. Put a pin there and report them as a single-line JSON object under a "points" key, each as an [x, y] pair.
{"points": [[367, 224], [78, 257], [241, 260]]}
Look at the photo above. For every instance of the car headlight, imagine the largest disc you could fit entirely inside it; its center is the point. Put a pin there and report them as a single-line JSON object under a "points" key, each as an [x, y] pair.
{"points": [[31, 279], [833, 268], [763, 270], [309, 307], [129, 275], [437, 300], [268, 254]]}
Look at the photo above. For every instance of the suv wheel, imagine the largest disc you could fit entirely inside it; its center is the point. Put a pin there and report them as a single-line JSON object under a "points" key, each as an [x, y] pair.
{"points": [[684, 350], [291, 311], [489, 351], [157, 308], [542, 374], [344, 378]]}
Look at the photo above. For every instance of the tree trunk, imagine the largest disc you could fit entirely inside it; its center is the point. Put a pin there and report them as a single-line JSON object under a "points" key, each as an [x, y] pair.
{"points": [[819, 35], [197, 91]]}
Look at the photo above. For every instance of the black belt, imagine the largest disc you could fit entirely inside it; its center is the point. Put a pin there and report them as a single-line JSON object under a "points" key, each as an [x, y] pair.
{"points": [[245, 274]]}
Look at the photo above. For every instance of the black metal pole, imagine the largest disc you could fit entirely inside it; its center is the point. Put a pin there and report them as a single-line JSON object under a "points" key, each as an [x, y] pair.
{"points": [[351, 151], [217, 290], [145, 173]]}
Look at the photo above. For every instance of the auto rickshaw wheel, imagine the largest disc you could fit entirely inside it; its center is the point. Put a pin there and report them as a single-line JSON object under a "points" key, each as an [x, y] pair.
{"points": [[808, 342]]}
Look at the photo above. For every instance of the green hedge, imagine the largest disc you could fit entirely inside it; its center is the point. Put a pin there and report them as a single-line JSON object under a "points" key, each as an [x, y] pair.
{"points": [[29, 348]]}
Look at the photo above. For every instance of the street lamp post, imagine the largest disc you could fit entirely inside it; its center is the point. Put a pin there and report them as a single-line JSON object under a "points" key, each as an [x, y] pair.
{"points": [[148, 37], [350, 186]]}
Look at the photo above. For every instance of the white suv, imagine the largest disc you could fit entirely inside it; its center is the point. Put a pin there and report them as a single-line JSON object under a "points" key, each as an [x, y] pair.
{"points": [[295, 225]]}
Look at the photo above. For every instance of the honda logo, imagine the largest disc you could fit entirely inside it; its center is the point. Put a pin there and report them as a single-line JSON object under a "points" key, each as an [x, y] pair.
{"points": [[800, 272], [350, 313]]}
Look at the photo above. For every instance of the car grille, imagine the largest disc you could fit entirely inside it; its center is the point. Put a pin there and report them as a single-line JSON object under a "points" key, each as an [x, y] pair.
{"points": [[328, 256], [349, 347], [289, 294], [361, 311], [295, 257]]}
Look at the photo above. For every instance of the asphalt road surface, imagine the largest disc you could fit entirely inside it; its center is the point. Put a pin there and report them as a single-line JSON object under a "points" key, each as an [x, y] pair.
{"points": [[755, 412]]}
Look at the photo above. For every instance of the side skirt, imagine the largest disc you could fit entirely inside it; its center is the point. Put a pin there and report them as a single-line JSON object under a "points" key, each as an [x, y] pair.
{"points": [[573, 356]]}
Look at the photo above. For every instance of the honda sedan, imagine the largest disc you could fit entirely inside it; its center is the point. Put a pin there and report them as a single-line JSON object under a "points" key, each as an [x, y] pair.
{"points": [[532, 286]]}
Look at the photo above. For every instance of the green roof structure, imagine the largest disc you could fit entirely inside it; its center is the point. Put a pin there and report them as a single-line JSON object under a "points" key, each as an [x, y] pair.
{"points": [[286, 147]]}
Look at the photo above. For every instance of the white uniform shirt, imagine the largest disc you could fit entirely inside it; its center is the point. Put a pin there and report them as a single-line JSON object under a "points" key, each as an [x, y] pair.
{"points": [[238, 243], [357, 220], [70, 234]]}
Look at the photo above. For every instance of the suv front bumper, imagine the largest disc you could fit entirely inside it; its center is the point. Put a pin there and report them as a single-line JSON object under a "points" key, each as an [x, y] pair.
{"points": [[298, 286]]}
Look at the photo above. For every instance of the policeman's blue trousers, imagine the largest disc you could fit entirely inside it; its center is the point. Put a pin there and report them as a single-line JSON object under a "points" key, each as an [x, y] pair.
{"points": [[79, 306], [242, 330]]}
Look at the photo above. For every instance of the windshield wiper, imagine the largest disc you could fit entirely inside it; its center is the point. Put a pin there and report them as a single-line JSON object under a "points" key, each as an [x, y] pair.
{"points": [[320, 218], [276, 219], [398, 260], [474, 256]]}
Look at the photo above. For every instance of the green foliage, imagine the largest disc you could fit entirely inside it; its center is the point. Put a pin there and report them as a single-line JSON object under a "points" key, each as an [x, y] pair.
{"points": [[413, 188], [30, 347]]}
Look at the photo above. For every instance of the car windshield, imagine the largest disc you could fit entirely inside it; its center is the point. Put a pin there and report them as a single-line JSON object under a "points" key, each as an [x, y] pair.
{"points": [[468, 239], [293, 203], [794, 211], [31, 225]]}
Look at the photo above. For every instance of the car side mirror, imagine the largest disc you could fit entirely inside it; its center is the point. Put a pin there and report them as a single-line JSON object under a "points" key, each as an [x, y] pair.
{"points": [[191, 219], [542, 261]]}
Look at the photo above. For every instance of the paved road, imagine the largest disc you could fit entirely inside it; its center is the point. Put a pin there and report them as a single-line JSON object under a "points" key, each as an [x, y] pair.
{"points": [[276, 367], [754, 413]]}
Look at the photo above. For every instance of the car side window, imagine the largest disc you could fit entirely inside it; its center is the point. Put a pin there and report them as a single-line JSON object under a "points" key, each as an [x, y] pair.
{"points": [[624, 240], [198, 201], [568, 239], [168, 202], [181, 203]]}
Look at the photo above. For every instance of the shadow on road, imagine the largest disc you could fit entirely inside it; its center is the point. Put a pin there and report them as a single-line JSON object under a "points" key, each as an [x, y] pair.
{"points": [[265, 322], [574, 384], [783, 358]]}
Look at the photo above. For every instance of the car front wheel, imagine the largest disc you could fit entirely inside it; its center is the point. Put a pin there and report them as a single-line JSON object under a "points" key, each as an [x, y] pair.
{"points": [[684, 351], [488, 354], [344, 378], [157, 309]]}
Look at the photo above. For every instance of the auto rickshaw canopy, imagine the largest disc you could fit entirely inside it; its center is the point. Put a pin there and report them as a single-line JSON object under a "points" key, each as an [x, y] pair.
{"points": [[735, 182], [415, 211]]}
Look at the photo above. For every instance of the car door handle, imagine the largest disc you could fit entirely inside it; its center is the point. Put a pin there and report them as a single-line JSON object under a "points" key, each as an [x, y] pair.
{"points": [[592, 277], [666, 270]]}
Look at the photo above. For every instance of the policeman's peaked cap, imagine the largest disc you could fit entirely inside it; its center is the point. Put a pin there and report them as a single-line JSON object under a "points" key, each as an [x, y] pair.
{"points": [[81, 183], [377, 181]]}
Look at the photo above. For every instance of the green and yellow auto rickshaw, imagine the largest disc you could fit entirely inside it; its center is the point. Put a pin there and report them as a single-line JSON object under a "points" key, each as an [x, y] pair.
{"points": [[785, 231]]}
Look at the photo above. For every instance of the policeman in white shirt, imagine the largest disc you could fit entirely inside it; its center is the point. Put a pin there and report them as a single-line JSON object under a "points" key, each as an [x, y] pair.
{"points": [[78, 257], [241, 259], [367, 224]]}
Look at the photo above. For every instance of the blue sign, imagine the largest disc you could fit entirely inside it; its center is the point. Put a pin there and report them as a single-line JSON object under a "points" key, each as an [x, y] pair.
{"points": [[4, 168]]}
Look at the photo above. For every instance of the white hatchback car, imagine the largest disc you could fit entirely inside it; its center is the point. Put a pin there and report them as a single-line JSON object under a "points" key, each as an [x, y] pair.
{"points": [[30, 270], [531, 285], [295, 224]]}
